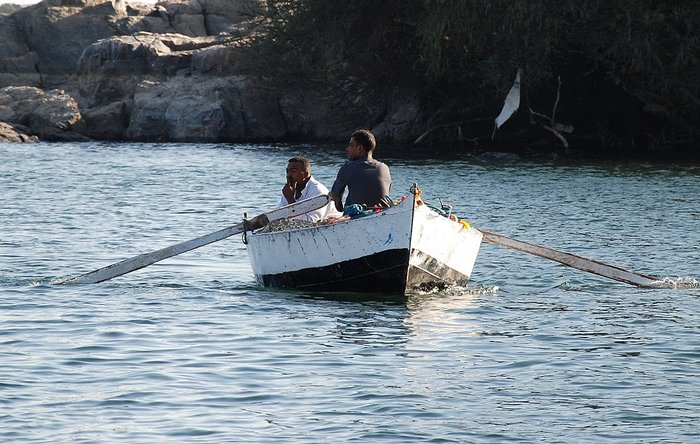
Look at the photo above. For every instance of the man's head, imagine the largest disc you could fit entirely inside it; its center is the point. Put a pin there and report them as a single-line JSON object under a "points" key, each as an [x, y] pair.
{"points": [[362, 144], [298, 171]]}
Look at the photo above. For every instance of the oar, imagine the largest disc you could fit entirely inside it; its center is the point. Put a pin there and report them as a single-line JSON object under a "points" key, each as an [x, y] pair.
{"points": [[146, 259], [572, 260]]}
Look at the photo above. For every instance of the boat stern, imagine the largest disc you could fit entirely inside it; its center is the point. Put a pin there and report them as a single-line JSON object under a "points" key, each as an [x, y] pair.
{"points": [[443, 251]]}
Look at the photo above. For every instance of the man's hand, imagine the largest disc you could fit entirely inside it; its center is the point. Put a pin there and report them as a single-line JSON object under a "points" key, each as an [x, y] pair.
{"points": [[337, 200], [289, 191]]}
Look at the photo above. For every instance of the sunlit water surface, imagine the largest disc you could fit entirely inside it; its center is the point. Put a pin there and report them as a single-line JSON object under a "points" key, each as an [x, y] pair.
{"points": [[191, 350]]}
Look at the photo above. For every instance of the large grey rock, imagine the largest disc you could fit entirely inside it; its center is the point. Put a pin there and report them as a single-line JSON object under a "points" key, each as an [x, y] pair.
{"points": [[196, 18], [47, 113], [223, 60], [110, 69], [17, 61], [205, 109], [15, 133], [185, 17], [132, 25], [108, 122], [178, 111], [58, 31]]}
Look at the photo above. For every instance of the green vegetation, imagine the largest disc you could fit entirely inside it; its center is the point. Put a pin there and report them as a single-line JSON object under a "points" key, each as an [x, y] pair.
{"points": [[629, 69]]}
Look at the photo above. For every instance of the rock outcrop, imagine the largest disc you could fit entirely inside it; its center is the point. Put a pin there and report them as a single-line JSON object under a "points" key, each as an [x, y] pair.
{"points": [[17, 62], [15, 133], [57, 31], [175, 71], [50, 115]]}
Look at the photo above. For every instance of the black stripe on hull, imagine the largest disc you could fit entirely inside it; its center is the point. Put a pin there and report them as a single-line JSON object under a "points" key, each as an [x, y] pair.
{"points": [[383, 272]]}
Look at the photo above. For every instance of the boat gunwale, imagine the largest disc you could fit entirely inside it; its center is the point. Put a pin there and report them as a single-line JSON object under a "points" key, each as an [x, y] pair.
{"points": [[368, 217]]}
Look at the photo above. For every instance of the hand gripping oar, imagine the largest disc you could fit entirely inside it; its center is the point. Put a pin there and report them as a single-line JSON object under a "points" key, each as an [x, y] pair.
{"points": [[146, 259], [572, 260]]}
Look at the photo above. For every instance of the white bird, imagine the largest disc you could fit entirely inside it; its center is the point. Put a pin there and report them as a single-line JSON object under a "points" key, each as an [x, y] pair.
{"points": [[511, 104]]}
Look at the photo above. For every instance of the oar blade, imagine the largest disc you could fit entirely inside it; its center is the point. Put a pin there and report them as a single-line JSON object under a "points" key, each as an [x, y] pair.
{"points": [[572, 260], [146, 259]]}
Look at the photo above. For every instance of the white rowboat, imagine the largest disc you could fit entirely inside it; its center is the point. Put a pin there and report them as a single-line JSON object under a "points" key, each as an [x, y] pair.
{"points": [[406, 246]]}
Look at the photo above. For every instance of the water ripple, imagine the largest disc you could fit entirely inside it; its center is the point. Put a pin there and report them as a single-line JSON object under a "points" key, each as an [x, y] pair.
{"points": [[191, 350]]}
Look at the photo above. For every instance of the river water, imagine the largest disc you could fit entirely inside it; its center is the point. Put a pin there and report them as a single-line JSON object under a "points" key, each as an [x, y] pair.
{"points": [[191, 350]]}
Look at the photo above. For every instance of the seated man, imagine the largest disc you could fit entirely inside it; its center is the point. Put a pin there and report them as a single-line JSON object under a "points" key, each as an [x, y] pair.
{"points": [[301, 186], [368, 180]]}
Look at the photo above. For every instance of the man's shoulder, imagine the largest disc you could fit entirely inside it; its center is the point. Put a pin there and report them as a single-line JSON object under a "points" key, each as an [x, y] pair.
{"points": [[378, 163], [361, 164], [316, 187], [350, 166]]}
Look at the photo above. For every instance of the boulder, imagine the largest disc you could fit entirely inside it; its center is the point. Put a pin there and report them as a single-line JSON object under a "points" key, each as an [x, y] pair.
{"points": [[195, 18], [107, 122], [158, 112], [110, 69], [48, 113], [185, 17], [223, 60], [132, 25], [58, 31], [206, 109], [17, 61], [15, 133]]}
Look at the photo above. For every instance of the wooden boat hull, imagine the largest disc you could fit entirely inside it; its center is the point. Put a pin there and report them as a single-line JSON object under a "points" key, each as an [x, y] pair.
{"points": [[383, 272], [390, 252]]}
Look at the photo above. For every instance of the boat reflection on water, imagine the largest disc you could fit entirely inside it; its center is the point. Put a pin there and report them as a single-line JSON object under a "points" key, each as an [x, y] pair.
{"points": [[416, 321], [440, 314]]}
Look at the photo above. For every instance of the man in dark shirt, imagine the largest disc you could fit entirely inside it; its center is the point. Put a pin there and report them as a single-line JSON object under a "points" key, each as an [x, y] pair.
{"points": [[368, 180]]}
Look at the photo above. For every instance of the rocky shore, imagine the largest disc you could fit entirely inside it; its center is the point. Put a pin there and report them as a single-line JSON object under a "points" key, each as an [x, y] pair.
{"points": [[175, 71]]}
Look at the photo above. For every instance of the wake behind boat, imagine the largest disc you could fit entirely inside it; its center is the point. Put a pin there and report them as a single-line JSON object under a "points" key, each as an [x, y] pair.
{"points": [[392, 251]]}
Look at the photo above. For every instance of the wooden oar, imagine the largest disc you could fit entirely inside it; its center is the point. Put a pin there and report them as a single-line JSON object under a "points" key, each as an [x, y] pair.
{"points": [[146, 259], [572, 260]]}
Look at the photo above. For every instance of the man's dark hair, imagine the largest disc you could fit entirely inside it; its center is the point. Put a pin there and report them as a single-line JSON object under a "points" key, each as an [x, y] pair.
{"points": [[302, 160], [366, 139]]}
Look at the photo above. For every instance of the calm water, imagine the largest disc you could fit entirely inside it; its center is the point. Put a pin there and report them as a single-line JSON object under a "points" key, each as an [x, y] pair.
{"points": [[190, 350]]}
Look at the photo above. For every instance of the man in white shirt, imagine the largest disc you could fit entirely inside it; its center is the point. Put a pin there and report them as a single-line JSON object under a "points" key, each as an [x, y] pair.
{"points": [[301, 186]]}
